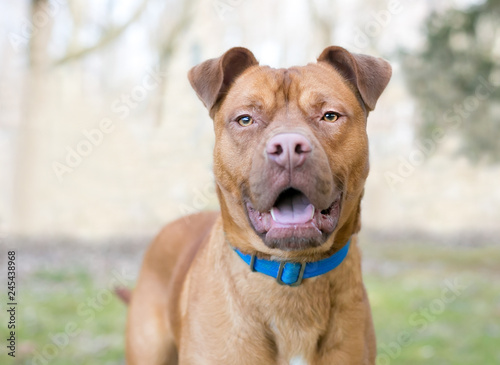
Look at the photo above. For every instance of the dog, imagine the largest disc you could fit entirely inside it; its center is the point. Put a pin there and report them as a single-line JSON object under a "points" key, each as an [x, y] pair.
{"points": [[275, 277]]}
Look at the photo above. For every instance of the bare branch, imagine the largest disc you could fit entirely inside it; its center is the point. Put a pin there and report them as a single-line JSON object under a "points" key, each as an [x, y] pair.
{"points": [[168, 45], [110, 36]]}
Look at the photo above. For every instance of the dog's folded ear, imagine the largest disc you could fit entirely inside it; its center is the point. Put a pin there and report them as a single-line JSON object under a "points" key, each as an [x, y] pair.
{"points": [[370, 75], [212, 79]]}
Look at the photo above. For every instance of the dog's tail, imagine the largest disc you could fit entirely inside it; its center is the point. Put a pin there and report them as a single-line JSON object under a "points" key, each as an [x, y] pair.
{"points": [[124, 294]]}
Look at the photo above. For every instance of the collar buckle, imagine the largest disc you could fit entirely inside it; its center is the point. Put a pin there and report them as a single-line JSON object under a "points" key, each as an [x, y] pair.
{"points": [[299, 278]]}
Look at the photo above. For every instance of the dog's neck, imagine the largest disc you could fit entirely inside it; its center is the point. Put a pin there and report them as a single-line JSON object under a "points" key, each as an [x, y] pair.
{"points": [[267, 304]]}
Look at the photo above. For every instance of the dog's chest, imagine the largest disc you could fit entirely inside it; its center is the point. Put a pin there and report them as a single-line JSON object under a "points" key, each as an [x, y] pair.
{"points": [[298, 328], [298, 360], [295, 344]]}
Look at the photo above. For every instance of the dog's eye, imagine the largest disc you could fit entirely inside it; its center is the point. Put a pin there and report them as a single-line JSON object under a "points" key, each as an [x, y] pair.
{"points": [[245, 120], [330, 117]]}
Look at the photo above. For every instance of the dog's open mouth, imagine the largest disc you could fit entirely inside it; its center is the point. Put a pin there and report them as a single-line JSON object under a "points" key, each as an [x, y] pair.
{"points": [[293, 222], [292, 207]]}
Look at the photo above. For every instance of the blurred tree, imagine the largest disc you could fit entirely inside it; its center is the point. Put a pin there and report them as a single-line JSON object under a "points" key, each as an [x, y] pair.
{"points": [[168, 34], [34, 120], [30, 166], [166, 30], [321, 16], [455, 78], [109, 35]]}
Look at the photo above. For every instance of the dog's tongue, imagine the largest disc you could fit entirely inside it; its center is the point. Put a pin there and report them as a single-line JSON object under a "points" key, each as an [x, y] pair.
{"points": [[292, 209]]}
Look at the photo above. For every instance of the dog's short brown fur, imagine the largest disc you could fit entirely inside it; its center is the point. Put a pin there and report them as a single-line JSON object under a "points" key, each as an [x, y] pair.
{"points": [[196, 301]]}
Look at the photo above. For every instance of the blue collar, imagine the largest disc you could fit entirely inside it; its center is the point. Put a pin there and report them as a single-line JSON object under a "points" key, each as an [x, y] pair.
{"points": [[291, 273]]}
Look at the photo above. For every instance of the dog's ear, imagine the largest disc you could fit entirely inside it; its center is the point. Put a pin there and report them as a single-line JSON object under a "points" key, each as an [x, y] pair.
{"points": [[370, 75], [212, 79]]}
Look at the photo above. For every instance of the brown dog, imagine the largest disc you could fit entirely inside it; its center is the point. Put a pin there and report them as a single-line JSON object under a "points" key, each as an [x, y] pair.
{"points": [[290, 163]]}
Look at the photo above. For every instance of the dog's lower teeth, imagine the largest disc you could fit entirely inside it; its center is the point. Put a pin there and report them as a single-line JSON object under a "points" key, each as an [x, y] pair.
{"points": [[312, 213]]}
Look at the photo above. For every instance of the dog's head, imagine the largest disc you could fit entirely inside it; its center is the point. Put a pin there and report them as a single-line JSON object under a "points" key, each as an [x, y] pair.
{"points": [[291, 150]]}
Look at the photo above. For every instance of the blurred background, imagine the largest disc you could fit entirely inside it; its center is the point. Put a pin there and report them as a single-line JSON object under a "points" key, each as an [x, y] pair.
{"points": [[102, 141]]}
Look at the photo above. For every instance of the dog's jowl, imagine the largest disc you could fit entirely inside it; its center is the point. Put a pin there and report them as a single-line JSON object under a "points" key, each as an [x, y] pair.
{"points": [[275, 276]]}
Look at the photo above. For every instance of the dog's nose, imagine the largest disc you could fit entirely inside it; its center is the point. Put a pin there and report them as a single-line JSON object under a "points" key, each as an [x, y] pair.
{"points": [[288, 150]]}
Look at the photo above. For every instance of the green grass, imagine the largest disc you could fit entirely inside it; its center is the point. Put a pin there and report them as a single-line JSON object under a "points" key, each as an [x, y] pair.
{"points": [[66, 317], [460, 328], [405, 283]]}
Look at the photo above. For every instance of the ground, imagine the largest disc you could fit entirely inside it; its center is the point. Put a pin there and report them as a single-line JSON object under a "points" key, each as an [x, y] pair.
{"points": [[433, 302]]}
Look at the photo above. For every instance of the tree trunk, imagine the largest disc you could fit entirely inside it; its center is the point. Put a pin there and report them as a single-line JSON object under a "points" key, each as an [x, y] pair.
{"points": [[34, 122]]}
